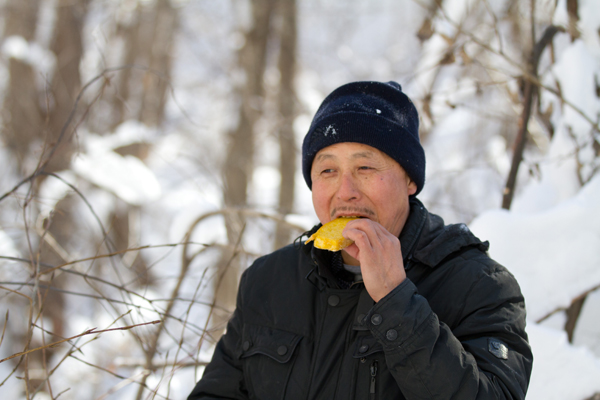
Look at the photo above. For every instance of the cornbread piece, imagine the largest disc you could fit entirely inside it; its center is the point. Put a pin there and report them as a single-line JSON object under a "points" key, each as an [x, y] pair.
{"points": [[329, 236]]}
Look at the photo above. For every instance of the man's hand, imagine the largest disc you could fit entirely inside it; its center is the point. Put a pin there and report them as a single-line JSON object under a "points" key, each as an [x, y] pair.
{"points": [[379, 255]]}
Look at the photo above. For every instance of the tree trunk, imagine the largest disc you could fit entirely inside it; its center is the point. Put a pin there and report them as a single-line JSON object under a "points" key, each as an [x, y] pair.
{"points": [[287, 113], [23, 121], [140, 89], [156, 80], [239, 160], [130, 34], [68, 47]]}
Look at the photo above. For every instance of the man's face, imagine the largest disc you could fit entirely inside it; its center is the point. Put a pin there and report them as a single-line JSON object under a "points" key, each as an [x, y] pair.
{"points": [[355, 179]]}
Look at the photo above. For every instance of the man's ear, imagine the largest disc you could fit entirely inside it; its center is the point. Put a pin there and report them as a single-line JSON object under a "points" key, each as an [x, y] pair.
{"points": [[412, 187]]}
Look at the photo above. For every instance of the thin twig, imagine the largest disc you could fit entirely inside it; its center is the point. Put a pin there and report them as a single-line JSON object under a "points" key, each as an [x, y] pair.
{"points": [[4, 328], [88, 332]]}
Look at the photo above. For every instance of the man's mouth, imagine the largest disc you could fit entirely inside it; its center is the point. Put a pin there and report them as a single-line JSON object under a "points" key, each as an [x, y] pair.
{"points": [[361, 212]]}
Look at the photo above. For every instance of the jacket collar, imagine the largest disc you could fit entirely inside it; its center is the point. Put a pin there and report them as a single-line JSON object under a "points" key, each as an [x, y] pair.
{"points": [[322, 259], [437, 240], [411, 232]]}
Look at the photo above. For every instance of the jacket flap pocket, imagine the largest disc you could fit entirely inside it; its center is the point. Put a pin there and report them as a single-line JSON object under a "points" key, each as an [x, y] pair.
{"points": [[365, 346], [274, 343]]}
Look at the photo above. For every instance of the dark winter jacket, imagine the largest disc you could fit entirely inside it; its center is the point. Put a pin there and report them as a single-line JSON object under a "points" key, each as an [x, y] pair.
{"points": [[454, 329]]}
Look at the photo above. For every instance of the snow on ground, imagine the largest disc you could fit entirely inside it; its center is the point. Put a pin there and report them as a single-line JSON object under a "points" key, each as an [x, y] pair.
{"points": [[560, 371], [550, 251], [554, 255]]}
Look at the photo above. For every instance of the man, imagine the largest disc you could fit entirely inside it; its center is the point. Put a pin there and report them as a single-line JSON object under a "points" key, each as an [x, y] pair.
{"points": [[413, 309]]}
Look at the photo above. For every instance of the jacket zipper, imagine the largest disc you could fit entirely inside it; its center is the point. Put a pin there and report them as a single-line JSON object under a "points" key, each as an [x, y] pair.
{"points": [[373, 381]]}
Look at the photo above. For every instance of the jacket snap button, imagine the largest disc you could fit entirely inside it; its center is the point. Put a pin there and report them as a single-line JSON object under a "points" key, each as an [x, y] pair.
{"points": [[246, 345], [333, 300], [376, 319], [282, 350], [392, 334], [363, 348]]}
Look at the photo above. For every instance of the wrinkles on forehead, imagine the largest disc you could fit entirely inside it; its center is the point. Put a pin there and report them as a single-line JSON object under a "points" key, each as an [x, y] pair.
{"points": [[321, 156]]}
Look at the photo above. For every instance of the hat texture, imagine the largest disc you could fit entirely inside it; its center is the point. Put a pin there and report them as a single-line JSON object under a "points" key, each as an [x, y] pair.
{"points": [[373, 113]]}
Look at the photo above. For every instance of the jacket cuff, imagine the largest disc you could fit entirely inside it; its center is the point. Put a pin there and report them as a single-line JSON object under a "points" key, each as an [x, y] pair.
{"points": [[397, 316]]}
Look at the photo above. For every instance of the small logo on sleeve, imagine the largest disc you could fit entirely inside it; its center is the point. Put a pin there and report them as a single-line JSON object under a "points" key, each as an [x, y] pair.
{"points": [[498, 349]]}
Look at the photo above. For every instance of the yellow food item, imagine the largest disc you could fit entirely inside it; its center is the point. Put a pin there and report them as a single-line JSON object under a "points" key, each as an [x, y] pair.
{"points": [[329, 236]]}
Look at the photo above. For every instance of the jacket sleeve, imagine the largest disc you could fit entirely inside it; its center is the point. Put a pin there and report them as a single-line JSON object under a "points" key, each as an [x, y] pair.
{"points": [[484, 356], [223, 376]]}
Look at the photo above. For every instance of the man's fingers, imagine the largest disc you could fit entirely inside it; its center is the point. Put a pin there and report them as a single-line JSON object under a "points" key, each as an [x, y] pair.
{"points": [[379, 255], [367, 233]]}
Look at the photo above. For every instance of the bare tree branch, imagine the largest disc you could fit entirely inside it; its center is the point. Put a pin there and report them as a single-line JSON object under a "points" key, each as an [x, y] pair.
{"points": [[529, 93], [87, 332]]}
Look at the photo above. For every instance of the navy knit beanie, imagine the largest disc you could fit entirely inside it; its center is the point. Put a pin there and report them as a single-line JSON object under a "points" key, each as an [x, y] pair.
{"points": [[373, 113]]}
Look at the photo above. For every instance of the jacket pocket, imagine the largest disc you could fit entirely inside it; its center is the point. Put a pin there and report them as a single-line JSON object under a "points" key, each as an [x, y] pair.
{"points": [[267, 355]]}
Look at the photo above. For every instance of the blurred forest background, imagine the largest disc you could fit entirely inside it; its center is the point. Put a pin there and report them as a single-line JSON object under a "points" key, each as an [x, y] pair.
{"points": [[150, 152]]}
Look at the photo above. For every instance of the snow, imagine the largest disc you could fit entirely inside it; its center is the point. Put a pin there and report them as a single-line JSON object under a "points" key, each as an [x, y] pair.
{"points": [[560, 371], [128, 132], [576, 72], [7, 248], [589, 20], [32, 53], [564, 239], [15, 47], [53, 190], [549, 239], [127, 177]]}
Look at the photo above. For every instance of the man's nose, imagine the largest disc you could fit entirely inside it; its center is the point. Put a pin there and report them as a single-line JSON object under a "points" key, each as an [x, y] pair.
{"points": [[348, 189]]}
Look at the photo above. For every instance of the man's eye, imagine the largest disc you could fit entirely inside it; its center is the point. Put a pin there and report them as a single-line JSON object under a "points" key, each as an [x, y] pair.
{"points": [[364, 167], [327, 171]]}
